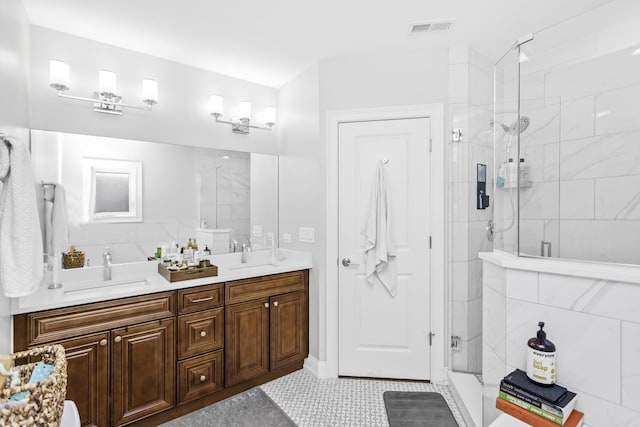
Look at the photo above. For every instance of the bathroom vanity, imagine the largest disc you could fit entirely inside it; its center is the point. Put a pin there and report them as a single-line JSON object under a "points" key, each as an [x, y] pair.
{"points": [[145, 359]]}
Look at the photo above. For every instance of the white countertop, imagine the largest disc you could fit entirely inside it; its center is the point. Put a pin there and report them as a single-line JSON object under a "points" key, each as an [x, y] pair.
{"points": [[82, 286], [598, 270]]}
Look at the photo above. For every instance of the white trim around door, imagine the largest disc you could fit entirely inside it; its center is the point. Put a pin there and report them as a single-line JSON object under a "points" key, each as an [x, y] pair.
{"points": [[328, 313]]}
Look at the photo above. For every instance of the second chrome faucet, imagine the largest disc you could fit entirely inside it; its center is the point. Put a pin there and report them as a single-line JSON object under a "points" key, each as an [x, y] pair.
{"points": [[107, 260]]}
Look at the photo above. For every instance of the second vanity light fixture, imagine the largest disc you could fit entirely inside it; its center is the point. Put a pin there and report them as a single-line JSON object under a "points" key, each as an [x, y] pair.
{"points": [[243, 125], [105, 100]]}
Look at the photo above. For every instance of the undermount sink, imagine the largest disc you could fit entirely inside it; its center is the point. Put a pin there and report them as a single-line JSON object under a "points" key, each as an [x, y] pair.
{"points": [[249, 265], [92, 287]]}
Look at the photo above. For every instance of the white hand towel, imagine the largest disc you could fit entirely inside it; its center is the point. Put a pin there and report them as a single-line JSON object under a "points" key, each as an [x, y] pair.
{"points": [[379, 247], [59, 222], [20, 238]]}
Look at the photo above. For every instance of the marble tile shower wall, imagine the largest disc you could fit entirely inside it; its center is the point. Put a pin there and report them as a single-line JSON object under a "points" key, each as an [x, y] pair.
{"points": [[595, 325], [225, 195], [470, 95], [582, 150]]}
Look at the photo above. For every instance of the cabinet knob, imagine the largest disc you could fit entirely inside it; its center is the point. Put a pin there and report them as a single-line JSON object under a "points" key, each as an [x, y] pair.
{"points": [[103, 342], [118, 338], [266, 305], [203, 378], [203, 333], [275, 303]]}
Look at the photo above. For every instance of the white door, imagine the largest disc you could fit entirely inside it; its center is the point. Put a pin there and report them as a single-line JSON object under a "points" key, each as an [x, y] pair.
{"points": [[380, 335]]}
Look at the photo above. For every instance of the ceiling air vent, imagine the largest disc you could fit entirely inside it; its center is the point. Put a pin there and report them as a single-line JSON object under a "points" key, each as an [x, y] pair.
{"points": [[423, 27]]}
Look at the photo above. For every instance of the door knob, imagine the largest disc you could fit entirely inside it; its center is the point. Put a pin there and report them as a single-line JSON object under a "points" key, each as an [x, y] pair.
{"points": [[275, 303], [202, 378], [347, 263], [203, 334], [266, 305], [103, 342], [118, 338]]}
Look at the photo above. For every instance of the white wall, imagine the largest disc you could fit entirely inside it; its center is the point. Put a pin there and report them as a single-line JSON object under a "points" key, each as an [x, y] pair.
{"points": [[181, 116], [301, 188], [14, 114]]}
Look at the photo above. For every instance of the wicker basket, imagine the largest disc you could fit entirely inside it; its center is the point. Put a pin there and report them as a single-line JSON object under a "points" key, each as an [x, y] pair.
{"points": [[46, 398]]}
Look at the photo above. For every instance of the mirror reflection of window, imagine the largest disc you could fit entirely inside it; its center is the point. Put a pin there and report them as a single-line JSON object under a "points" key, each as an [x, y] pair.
{"points": [[112, 192]]}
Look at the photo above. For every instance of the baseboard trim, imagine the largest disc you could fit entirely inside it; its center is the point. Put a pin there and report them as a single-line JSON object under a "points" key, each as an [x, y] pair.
{"points": [[317, 367]]}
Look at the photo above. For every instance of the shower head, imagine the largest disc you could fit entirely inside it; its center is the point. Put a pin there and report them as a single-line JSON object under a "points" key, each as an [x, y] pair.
{"points": [[518, 126]]}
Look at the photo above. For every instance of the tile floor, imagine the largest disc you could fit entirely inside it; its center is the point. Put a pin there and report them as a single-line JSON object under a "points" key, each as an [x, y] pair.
{"points": [[313, 402]]}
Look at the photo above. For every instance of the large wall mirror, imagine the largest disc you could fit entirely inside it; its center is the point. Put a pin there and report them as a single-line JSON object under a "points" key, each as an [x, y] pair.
{"points": [[135, 195]]}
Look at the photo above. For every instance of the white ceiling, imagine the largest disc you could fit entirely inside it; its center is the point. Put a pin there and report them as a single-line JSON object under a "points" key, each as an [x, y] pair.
{"points": [[270, 42]]}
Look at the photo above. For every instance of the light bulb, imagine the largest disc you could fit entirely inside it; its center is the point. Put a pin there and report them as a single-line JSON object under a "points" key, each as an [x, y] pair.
{"points": [[149, 91], [58, 75], [244, 111], [107, 82]]}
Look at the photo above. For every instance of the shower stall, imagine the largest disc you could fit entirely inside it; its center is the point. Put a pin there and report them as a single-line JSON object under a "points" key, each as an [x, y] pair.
{"points": [[566, 131], [559, 140]]}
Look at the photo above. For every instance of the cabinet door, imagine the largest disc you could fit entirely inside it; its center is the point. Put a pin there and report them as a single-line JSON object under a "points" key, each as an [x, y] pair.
{"points": [[289, 334], [88, 377], [246, 341], [143, 366]]}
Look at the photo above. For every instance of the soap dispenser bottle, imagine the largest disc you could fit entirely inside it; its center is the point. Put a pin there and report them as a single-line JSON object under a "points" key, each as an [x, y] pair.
{"points": [[541, 358]]}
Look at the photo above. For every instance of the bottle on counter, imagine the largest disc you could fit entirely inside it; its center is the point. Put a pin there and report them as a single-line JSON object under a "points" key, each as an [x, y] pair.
{"points": [[541, 358]]}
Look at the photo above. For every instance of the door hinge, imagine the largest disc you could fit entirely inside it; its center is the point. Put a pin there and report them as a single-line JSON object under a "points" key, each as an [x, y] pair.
{"points": [[431, 335], [430, 144], [456, 343], [430, 242]]}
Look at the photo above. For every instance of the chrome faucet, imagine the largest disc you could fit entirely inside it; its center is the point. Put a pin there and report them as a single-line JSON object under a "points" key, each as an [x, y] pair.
{"points": [[246, 248], [107, 259]]}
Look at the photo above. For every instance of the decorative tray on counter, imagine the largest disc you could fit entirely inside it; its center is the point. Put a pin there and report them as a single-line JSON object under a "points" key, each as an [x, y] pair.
{"points": [[187, 273]]}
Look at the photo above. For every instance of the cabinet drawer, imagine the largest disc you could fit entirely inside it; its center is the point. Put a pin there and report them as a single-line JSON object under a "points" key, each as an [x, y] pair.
{"points": [[263, 287], [200, 376], [200, 298], [54, 325], [200, 332]]}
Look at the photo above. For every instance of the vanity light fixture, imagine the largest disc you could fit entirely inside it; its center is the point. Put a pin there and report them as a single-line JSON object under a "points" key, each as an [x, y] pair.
{"points": [[105, 100], [243, 125]]}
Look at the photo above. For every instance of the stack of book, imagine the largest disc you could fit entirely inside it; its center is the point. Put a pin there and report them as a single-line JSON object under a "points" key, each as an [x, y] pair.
{"points": [[537, 405]]}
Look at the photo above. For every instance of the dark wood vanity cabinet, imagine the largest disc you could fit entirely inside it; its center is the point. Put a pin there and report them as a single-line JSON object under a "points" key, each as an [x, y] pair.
{"points": [[120, 355], [143, 367], [267, 327], [200, 341], [147, 359]]}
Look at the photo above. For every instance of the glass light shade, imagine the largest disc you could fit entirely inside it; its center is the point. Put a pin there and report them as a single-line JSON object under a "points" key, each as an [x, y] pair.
{"points": [[270, 116], [149, 91], [58, 75], [215, 104], [244, 111], [107, 82]]}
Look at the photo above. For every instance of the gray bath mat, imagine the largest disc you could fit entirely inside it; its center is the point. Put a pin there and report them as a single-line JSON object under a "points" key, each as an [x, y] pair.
{"points": [[413, 409], [249, 409]]}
